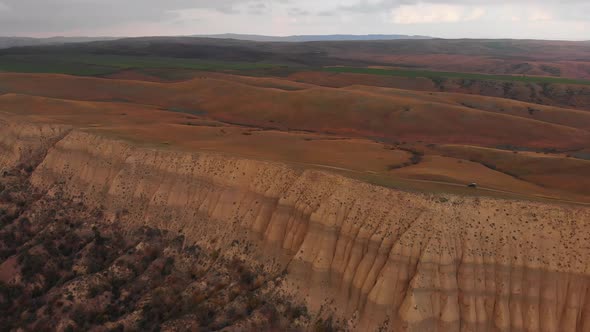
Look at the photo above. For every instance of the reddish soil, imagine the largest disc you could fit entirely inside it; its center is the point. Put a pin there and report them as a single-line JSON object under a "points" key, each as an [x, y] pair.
{"points": [[391, 116], [360, 130]]}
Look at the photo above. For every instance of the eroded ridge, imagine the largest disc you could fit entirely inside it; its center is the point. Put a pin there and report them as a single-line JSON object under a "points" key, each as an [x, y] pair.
{"points": [[372, 256], [25, 145]]}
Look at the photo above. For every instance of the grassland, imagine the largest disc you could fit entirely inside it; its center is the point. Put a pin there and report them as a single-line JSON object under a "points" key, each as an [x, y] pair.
{"points": [[385, 115], [43, 64], [101, 65], [356, 129], [97, 65], [438, 75]]}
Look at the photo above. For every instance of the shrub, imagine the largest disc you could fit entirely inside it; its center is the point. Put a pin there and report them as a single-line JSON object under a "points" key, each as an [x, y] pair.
{"points": [[215, 254], [205, 316], [5, 196], [79, 316], [31, 265], [119, 328], [324, 325], [168, 266], [490, 166], [98, 239], [252, 302], [95, 290], [416, 158], [297, 311]]}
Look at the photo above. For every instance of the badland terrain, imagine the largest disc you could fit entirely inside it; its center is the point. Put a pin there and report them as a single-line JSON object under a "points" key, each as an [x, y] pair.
{"points": [[189, 183]]}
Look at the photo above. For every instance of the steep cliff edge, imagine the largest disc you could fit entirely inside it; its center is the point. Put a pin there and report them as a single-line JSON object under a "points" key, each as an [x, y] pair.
{"points": [[24, 144], [373, 256]]}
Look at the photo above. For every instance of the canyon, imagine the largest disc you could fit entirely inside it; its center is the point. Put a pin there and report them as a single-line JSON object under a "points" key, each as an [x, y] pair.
{"points": [[369, 256]]}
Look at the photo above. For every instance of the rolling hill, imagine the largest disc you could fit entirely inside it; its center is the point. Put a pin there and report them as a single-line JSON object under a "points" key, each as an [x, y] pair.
{"points": [[508, 57], [308, 38], [383, 114], [8, 42]]}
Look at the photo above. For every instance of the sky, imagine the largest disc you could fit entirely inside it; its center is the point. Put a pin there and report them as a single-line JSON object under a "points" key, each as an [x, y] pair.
{"points": [[536, 19]]}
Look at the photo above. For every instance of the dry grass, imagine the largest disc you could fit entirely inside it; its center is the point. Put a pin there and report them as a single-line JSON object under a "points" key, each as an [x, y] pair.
{"points": [[550, 171], [338, 129], [385, 116]]}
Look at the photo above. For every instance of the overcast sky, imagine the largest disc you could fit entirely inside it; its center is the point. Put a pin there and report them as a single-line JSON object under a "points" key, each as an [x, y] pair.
{"points": [[541, 19]]}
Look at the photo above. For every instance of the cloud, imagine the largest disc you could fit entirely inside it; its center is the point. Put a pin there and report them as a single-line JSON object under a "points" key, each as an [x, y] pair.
{"points": [[428, 17], [435, 13], [259, 8], [34, 16], [475, 14], [540, 15], [298, 12]]}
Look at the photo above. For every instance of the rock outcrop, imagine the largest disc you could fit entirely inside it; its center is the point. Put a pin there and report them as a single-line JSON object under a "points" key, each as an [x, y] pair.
{"points": [[24, 144], [372, 256]]}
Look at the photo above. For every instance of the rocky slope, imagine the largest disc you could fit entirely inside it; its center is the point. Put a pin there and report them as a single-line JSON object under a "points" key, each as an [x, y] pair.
{"points": [[372, 257], [63, 268], [25, 145]]}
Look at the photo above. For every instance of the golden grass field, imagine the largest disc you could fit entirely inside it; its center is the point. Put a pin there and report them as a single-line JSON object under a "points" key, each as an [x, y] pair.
{"points": [[406, 138], [571, 96]]}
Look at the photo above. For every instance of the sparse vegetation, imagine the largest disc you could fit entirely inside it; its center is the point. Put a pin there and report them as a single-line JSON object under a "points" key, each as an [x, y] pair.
{"points": [[324, 325], [77, 270], [415, 159], [439, 76], [97, 65]]}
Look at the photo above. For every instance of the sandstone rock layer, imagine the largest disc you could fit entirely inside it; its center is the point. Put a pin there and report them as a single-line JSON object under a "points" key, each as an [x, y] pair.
{"points": [[374, 257]]}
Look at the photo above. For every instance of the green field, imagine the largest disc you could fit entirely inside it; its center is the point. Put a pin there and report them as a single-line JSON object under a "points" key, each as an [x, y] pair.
{"points": [[454, 75], [168, 67], [95, 65]]}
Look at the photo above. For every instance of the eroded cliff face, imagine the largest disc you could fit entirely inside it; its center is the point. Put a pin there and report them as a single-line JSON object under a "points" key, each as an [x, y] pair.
{"points": [[24, 145], [375, 257]]}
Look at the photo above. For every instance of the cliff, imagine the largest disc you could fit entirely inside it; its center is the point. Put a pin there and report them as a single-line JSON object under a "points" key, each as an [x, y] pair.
{"points": [[374, 257], [24, 145]]}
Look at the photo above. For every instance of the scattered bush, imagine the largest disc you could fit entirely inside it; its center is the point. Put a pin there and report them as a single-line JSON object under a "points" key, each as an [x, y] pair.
{"points": [[490, 166], [295, 312], [66, 241], [31, 265], [324, 325], [168, 266]]}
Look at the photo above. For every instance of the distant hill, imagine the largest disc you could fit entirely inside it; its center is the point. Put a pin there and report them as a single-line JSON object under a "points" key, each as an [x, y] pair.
{"points": [[308, 38], [7, 42], [325, 53], [487, 56]]}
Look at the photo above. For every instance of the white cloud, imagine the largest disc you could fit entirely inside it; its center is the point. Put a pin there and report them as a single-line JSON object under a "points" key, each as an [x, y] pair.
{"points": [[475, 14], [435, 13], [557, 19], [540, 15]]}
